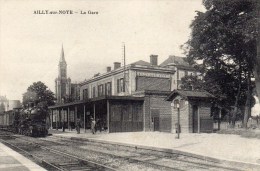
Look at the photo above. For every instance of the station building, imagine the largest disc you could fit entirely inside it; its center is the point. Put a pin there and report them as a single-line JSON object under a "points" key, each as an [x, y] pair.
{"points": [[126, 98]]}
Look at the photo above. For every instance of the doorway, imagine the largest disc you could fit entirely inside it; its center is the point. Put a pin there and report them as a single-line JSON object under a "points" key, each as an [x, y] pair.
{"points": [[156, 121], [195, 119]]}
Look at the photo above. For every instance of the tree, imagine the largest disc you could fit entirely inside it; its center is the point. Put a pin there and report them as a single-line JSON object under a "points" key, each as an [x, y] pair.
{"points": [[191, 82], [224, 38], [257, 61], [38, 94]]}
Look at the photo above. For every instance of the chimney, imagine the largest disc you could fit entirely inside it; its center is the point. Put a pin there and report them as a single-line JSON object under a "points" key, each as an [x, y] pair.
{"points": [[108, 69], [154, 60], [117, 65]]}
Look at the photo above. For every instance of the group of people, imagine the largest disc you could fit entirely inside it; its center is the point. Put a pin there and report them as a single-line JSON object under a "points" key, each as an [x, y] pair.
{"points": [[95, 125]]}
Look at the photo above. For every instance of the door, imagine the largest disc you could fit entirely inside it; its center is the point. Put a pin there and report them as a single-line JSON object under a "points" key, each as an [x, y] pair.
{"points": [[156, 121], [195, 118]]}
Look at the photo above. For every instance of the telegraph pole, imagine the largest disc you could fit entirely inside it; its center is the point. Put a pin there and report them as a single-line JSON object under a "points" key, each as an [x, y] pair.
{"points": [[124, 67]]}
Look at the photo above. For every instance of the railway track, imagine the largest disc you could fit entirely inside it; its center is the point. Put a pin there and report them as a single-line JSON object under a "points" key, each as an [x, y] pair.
{"points": [[112, 157], [172, 161], [49, 158]]}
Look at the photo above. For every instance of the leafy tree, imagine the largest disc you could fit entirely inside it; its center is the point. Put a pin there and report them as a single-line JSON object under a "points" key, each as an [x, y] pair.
{"points": [[224, 39], [38, 94], [191, 82]]}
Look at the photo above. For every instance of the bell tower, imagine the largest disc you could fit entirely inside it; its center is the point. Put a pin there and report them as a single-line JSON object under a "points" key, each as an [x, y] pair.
{"points": [[62, 83]]}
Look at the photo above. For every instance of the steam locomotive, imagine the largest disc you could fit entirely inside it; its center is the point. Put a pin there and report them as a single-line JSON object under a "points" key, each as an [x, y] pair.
{"points": [[29, 122]]}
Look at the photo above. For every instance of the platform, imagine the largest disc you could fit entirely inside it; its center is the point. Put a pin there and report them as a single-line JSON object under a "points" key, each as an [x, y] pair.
{"points": [[10, 160], [223, 147]]}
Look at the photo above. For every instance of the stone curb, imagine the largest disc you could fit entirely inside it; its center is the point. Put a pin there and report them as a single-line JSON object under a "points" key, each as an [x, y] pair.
{"points": [[170, 151]]}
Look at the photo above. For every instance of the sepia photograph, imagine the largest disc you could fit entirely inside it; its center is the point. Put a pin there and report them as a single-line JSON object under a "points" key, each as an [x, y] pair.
{"points": [[129, 85]]}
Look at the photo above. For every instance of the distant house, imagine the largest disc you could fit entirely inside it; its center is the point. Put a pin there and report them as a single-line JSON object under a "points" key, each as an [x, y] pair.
{"points": [[195, 110], [6, 107], [182, 68]]}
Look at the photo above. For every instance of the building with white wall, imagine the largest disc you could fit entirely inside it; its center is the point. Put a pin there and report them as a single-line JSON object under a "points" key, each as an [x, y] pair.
{"points": [[126, 98]]}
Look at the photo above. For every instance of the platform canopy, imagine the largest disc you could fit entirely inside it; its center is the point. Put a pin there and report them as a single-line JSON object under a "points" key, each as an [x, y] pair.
{"points": [[97, 99]]}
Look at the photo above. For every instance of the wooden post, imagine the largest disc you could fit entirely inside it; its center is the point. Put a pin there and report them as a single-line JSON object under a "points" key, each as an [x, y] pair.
{"points": [[59, 118], [198, 120], [144, 114], [51, 117], [219, 117], [56, 119], [178, 123], [69, 118], [94, 112], [76, 114], [108, 113], [84, 118], [63, 120]]}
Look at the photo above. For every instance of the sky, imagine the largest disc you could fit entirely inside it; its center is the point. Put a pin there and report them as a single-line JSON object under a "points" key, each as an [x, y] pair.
{"points": [[30, 44]]}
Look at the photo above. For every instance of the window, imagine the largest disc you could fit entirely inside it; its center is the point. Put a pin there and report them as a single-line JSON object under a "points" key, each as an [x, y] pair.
{"points": [[85, 94], [108, 89], [120, 85], [100, 90], [94, 92]]}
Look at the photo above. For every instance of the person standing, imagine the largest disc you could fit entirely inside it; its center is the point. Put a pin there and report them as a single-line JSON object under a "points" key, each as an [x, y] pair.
{"points": [[93, 126], [78, 126]]}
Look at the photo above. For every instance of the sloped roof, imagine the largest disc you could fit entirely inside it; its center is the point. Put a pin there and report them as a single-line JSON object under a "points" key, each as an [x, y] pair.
{"points": [[175, 60], [188, 94], [141, 62]]}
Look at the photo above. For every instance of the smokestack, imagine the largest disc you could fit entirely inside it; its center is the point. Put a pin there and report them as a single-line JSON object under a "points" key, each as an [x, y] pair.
{"points": [[154, 60], [108, 69], [117, 65]]}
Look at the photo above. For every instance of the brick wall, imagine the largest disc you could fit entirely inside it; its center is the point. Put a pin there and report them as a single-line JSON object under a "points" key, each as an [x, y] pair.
{"points": [[184, 118], [158, 103], [206, 122]]}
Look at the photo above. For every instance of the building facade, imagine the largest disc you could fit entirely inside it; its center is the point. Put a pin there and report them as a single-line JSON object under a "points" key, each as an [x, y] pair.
{"points": [[127, 80], [126, 98]]}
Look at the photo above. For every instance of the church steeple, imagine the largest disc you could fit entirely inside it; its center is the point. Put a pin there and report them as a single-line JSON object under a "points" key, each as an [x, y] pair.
{"points": [[62, 57], [62, 65], [62, 83]]}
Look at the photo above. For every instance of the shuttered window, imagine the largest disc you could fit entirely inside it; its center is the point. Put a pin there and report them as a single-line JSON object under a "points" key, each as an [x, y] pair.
{"points": [[94, 92], [108, 88], [120, 85]]}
